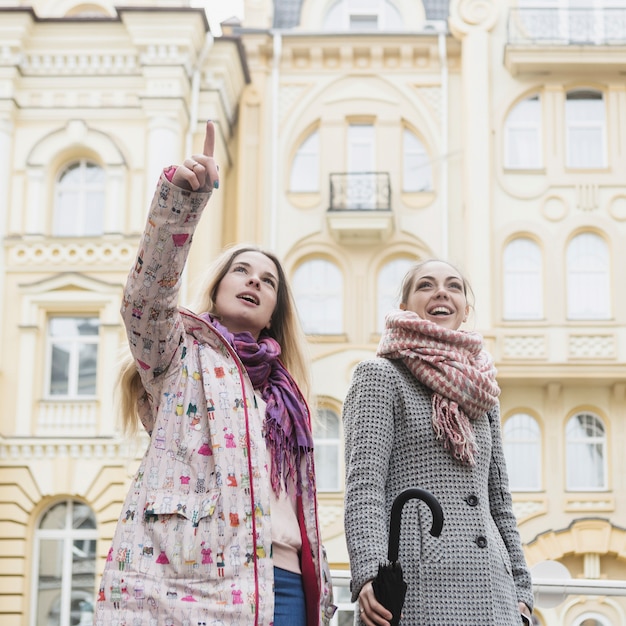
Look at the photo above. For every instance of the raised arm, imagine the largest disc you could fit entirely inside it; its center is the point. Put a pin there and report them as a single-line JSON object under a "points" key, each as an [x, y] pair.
{"points": [[149, 306]]}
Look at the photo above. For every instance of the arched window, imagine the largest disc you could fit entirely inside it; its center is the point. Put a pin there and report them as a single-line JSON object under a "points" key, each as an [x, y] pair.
{"points": [[586, 132], [522, 135], [305, 170], [318, 291], [65, 565], [523, 280], [417, 172], [79, 201], [592, 619], [521, 439], [588, 278], [327, 448], [586, 453], [363, 15], [388, 287]]}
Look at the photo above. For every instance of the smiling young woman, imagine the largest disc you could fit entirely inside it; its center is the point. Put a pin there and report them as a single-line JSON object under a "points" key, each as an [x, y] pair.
{"points": [[425, 413]]}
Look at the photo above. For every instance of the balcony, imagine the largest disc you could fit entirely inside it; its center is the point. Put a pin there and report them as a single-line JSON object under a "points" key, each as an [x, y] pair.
{"points": [[553, 39], [360, 207]]}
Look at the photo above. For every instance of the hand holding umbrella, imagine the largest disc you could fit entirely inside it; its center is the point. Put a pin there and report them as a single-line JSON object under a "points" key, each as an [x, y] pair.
{"points": [[389, 586]]}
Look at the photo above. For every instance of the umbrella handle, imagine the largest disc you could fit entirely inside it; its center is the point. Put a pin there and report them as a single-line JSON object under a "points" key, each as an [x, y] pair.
{"points": [[396, 517]]}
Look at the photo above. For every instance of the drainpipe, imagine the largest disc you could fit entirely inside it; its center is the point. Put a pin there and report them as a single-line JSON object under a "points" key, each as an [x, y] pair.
{"points": [[193, 119], [443, 60], [195, 92], [277, 51]]}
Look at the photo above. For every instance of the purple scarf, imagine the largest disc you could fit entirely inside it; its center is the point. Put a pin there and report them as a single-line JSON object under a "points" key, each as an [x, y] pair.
{"points": [[287, 427]]}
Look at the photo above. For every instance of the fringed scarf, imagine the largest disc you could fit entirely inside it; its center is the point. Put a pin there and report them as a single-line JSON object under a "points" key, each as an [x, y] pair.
{"points": [[454, 365], [287, 425]]}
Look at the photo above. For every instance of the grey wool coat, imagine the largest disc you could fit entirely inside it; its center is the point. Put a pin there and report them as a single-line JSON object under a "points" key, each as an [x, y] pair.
{"points": [[475, 572]]}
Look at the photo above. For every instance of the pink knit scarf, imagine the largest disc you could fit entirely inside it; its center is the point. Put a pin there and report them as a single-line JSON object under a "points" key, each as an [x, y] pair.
{"points": [[454, 365]]}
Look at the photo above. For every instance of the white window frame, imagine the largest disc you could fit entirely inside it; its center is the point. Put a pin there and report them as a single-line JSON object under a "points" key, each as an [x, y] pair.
{"points": [[71, 215], [576, 161], [521, 441], [417, 171], [67, 535], [522, 267], [318, 290], [531, 127], [74, 343], [573, 460], [305, 168], [588, 267], [388, 294], [362, 16], [329, 443]]}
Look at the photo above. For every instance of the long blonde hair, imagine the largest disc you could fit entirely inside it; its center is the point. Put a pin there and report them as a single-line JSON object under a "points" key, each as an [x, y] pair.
{"points": [[285, 329]]}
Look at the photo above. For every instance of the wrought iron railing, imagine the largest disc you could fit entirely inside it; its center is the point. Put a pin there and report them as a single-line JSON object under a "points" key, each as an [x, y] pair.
{"points": [[605, 27], [360, 191]]}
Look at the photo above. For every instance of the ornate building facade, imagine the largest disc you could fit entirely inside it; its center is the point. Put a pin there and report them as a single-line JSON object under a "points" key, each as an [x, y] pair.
{"points": [[354, 138]]}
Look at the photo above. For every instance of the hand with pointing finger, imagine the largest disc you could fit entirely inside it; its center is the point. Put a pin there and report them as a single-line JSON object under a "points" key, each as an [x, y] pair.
{"points": [[199, 172]]}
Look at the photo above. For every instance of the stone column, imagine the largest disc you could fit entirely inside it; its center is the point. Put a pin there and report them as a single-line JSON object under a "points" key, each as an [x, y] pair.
{"points": [[471, 22]]}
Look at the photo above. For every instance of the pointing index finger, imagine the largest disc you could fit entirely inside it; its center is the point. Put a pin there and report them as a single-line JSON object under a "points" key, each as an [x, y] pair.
{"points": [[209, 139]]}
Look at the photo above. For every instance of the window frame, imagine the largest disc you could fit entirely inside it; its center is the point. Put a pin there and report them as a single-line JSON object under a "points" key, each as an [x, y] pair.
{"points": [[76, 341], [531, 125], [83, 194], [575, 462], [512, 276], [329, 443], [67, 536], [599, 124], [327, 324], [523, 444]]}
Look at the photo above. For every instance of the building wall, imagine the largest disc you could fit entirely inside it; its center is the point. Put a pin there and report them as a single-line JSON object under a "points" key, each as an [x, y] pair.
{"points": [[132, 92]]}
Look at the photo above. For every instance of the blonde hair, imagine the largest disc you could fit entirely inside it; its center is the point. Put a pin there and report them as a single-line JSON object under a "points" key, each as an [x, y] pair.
{"points": [[285, 329]]}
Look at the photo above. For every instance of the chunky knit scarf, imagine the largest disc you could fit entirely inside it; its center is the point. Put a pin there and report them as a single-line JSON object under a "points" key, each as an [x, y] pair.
{"points": [[287, 425], [454, 365]]}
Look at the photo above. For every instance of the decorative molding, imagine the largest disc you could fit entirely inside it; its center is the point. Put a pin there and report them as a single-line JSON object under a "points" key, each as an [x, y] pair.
{"points": [[77, 254], [524, 347], [591, 347]]}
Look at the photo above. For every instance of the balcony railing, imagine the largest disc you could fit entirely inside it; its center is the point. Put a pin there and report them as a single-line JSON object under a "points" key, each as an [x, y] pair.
{"points": [[568, 27], [360, 191]]}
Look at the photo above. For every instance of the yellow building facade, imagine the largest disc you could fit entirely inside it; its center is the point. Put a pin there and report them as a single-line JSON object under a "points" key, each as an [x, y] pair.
{"points": [[354, 138]]}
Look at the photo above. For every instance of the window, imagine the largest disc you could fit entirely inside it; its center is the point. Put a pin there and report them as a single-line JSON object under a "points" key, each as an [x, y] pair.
{"points": [[318, 291], [65, 565], [388, 288], [363, 15], [588, 292], [305, 172], [79, 201], [327, 443], [523, 280], [417, 172], [585, 134], [586, 453], [521, 440], [522, 135], [72, 356]]}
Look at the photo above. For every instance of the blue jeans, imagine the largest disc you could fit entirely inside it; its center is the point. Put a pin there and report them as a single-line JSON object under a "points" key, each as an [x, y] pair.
{"points": [[289, 606]]}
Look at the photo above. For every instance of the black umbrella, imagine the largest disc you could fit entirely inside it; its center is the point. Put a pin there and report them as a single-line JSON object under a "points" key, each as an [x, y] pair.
{"points": [[389, 586]]}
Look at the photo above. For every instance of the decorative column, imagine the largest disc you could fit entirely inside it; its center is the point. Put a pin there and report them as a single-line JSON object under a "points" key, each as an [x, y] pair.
{"points": [[471, 22]]}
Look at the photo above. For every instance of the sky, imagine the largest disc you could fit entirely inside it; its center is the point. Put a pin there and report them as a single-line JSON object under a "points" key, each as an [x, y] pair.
{"points": [[220, 10]]}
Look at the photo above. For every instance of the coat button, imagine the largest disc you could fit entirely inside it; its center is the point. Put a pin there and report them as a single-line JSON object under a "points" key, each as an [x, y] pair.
{"points": [[481, 541], [472, 500]]}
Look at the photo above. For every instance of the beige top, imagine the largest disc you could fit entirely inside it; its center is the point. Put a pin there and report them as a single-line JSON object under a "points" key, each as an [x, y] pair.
{"points": [[286, 539]]}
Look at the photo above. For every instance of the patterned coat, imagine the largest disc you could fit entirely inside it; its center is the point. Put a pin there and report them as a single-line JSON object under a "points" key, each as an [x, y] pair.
{"points": [[475, 572], [193, 542]]}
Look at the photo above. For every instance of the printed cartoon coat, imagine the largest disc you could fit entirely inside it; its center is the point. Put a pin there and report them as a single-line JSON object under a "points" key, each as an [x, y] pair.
{"points": [[193, 542]]}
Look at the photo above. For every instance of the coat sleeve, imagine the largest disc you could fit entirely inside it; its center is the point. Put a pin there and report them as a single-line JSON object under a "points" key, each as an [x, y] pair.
{"points": [[501, 505], [149, 307], [368, 417]]}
